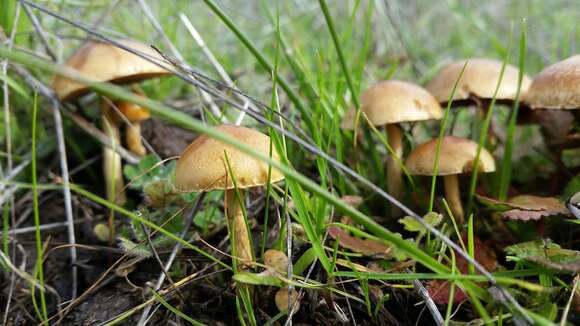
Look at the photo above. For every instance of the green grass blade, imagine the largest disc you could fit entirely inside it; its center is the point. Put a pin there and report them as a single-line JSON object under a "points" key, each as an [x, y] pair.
{"points": [[506, 166], [263, 62], [442, 128], [174, 310], [345, 70], [39, 273], [485, 127]]}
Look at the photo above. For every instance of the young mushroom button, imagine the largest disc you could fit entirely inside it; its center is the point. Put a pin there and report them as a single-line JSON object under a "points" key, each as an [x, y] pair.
{"points": [[456, 157], [203, 167], [105, 62], [388, 104]]}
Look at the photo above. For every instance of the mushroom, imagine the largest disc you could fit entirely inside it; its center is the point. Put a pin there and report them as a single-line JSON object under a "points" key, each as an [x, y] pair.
{"points": [[135, 114], [283, 300], [390, 103], [456, 157], [557, 88], [478, 83], [203, 167], [107, 63], [554, 92]]}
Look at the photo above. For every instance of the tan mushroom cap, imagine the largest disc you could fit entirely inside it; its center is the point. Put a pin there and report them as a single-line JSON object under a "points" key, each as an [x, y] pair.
{"points": [[203, 166], [105, 62], [557, 86], [480, 79], [456, 156], [395, 101]]}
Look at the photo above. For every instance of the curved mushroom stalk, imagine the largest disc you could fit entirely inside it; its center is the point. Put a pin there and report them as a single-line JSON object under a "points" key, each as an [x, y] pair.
{"points": [[394, 173], [239, 235], [453, 197], [112, 164], [133, 138]]}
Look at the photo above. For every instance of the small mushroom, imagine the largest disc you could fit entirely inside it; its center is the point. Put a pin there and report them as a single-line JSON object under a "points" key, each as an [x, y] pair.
{"points": [[456, 157], [203, 167], [135, 114], [388, 104], [107, 63], [478, 84], [283, 300], [276, 261]]}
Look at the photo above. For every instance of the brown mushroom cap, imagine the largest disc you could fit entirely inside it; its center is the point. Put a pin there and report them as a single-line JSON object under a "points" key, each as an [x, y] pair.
{"points": [[395, 101], [203, 167], [455, 157], [480, 79], [107, 63], [557, 86]]}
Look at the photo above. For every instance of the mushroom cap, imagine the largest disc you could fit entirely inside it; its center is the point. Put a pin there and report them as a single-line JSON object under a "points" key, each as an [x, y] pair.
{"points": [[105, 62], [203, 166], [456, 156], [557, 86], [133, 112], [480, 79], [394, 101]]}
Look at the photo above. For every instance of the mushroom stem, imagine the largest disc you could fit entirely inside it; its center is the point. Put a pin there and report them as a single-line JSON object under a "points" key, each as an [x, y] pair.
{"points": [[394, 174], [453, 197], [112, 165], [239, 235], [133, 138], [483, 109]]}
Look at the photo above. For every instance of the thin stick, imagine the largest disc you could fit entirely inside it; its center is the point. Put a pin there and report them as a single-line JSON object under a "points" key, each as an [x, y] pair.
{"points": [[67, 195], [206, 97], [10, 43], [218, 67], [62, 158], [145, 315]]}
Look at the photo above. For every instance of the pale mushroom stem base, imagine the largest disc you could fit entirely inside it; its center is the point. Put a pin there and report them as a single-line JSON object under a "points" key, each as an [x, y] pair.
{"points": [[112, 164], [394, 171], [453, 197], [133, 138], [239, 235]]}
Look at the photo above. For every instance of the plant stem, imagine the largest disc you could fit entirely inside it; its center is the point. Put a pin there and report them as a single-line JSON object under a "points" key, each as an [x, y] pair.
{"points": [[133, 138], [453, 198], [239, 235], [394, 175]]}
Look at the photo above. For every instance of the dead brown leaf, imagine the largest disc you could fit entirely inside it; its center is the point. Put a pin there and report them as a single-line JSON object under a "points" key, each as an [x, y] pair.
{"points": [[364, 246]]}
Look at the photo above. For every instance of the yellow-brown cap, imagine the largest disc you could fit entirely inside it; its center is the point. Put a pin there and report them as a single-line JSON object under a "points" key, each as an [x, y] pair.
{"points": [[105, 62], [133, 112], [394, 101], [557, 86], [203, 166], [456, 156], [479, 79]]}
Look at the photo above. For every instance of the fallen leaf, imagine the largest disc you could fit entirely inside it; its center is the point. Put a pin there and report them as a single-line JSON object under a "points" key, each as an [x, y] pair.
{"points": [[548, 254], [483, 255], [534, 208], [439, 292], [352, 200], [364, 246]]}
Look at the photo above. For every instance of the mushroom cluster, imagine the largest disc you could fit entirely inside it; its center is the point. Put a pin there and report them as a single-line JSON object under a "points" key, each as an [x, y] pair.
{"points": [[104, 62]]}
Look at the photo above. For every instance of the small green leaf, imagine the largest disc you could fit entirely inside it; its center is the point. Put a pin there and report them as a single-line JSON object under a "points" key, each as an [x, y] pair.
{"points": [[258, 279]]}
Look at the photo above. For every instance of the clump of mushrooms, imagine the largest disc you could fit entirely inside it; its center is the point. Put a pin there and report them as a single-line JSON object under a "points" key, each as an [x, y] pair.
{"points": [[388, 104], [107, 63]]}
